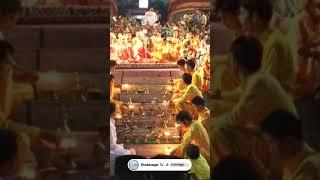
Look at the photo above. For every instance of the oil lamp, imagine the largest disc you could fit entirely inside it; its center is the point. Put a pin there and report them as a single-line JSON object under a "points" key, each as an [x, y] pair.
{"points": [[125, 87], [118, 116], [167, 150], [169, 88], [131, 106], [167, 134], [165, 103]]}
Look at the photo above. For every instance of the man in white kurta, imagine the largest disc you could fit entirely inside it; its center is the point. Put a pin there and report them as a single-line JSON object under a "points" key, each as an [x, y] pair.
{"points": [[116, 150]]}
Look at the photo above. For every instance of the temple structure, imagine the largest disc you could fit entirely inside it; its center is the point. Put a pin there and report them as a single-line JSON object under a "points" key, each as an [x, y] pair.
{"points": [[177, 7]]}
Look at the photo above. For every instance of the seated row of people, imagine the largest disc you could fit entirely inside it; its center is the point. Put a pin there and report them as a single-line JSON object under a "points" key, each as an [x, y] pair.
{"points": [[263, 110]]}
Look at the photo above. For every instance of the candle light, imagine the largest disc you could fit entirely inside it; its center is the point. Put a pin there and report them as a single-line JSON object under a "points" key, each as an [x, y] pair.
{"points": [[167, 150], [118, 116], [28, 173], [131, 106], [169, 88], [126, 87], [165, 103], [167, 133], [68, 143]]}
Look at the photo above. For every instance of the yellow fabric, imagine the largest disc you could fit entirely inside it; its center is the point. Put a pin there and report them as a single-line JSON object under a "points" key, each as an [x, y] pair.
{"points": [[204, 119], [224, 79], [191, 92], [198, 136], [245, 142], [197, 79], [200, 168], [7, 93], [278, 58], [262, 95], [179, 85]]}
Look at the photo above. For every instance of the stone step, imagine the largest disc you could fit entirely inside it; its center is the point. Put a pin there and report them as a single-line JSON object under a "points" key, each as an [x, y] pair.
{"points": [[144, 98], [145, 80], [147, 72], [145, 89]]}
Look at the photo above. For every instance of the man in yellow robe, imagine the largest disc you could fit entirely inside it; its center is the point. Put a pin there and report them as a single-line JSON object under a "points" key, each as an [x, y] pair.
{"points": [[278, 58], [262, 94], [202, 111], [183, 103], [300, 161], [196, 76], [195, 134], [178, 85]]}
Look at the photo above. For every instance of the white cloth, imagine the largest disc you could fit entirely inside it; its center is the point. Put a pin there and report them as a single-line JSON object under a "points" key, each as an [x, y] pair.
{"points": [[115, 149], [150, 17]]}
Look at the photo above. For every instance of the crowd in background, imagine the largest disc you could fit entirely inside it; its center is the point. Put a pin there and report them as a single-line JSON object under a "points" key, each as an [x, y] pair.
{"points": [[131, 42]]}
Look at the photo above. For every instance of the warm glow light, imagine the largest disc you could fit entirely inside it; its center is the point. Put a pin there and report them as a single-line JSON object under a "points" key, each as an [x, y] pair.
{"points": [[168, 150], [115, 19], [131, 106], [176, 125], [68, 142], [28, 173], [169, 88], [125, 86], [167, 133], [165, 103], [118, 116]]}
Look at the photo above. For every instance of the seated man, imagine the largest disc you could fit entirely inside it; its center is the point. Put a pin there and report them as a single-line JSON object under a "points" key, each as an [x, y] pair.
{"points": [[23, 80], [200, 168], [196, 76], [195, 134], [113, 64], [191, 92], [262, 93], [231, 133], [178, 85], [115, 148], [28, 135], [301, 162], [202, 111]]}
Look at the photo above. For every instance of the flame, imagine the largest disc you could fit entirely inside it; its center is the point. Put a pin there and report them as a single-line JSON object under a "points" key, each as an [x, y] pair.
{"points": [[165, 103], [169, 88], [131, 106], [125, 86], [167, 133], [168, 150]]}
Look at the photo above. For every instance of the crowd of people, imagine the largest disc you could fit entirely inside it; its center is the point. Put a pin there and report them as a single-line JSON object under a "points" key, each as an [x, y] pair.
{"points": [[255, 128], [254, 115], [185, 43], [131, 42]]}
